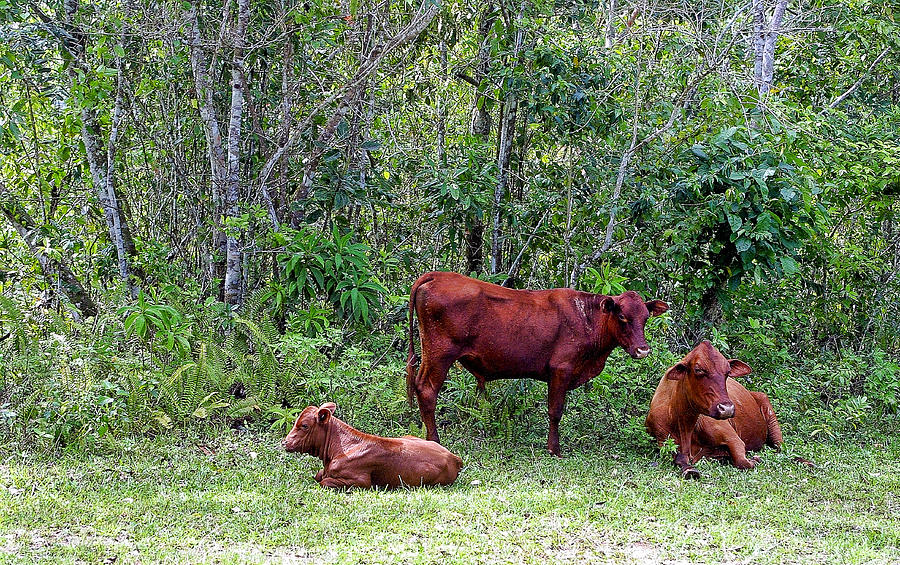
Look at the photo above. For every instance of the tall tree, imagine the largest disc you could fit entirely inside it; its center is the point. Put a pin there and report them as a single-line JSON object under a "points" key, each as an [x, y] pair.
{"points": [[73, 42], [233, 292]]}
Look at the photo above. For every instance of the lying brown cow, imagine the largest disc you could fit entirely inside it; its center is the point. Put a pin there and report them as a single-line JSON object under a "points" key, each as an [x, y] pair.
{"points": [[355, 459], [710, 415], [559, 336]]}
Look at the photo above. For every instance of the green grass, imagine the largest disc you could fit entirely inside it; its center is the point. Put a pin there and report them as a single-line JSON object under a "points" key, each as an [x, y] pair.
{"points": [[166, 499]]}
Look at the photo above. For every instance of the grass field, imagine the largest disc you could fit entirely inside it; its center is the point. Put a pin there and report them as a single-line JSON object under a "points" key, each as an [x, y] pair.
{"points": [[232, 497]]}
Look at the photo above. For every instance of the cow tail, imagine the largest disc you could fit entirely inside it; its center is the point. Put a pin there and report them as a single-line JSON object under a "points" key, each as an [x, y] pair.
{"points": [[774, 440], [412, 361]]}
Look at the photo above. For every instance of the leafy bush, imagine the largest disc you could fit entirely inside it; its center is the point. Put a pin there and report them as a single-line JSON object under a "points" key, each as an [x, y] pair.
{"points": [[332, 268]]}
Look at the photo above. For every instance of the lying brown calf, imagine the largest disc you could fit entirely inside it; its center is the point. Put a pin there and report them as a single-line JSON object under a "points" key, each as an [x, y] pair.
{"points": [[355, 459], [710, 415]]}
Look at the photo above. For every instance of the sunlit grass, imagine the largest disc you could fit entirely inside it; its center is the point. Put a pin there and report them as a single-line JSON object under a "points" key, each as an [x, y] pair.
{"points": [[167, 500]]}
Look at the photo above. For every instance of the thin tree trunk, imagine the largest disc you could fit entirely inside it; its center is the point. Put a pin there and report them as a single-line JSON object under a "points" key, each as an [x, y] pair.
{"points": [[442, 108], [481, 116], [759, 41], [852, 89], [116, 231], [56, 271], [765, 37], [769, 53], [505, 143], [102, 169], [480, 125], [217, 160], [610, 25], [233, 287]]}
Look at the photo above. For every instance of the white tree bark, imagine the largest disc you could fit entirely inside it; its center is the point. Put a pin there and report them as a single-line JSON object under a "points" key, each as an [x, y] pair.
{"points": [[765, 35], [610, 25], [56, 271], [116, 228], [837, 101], [200, 69], [102, 166], [233, 273]]}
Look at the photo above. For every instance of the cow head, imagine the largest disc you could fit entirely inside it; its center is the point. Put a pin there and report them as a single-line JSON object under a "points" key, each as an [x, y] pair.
{"points": [[702, 375], [628, 314], [309, 432]]}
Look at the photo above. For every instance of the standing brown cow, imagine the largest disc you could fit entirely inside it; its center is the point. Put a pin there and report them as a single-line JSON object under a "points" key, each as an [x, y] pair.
{"points": [[355, 459], [559, 336], [710, 415]]}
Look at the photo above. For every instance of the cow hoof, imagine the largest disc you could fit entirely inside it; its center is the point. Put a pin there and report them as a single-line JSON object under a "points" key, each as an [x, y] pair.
{"points": [[690, 473], [747, 465], [556, 453]]}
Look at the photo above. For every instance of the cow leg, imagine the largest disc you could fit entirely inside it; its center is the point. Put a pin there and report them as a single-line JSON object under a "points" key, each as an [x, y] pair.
{"points": [[556, 401], [332, 482], [726, 436], [682, 458], [688, 471], [429, 382]]}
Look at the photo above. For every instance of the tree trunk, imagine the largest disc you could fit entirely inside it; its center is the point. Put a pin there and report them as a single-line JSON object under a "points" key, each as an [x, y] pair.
{"points": [[217, 163], [480, 126], [102, 169], [233, 276], [56, 271], [481, 116], [441, 141], [117, 229], [610, 25], [765, 35], [504, 151]]}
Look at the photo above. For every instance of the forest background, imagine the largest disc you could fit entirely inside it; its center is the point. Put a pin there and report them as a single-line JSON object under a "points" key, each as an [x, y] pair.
{"points": [[213, 211]]}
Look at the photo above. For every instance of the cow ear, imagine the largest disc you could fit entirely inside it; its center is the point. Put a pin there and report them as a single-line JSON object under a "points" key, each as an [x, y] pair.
{"points": [[739, 368], [325, 412], [677, 372], [656, 307], [609, 305]]}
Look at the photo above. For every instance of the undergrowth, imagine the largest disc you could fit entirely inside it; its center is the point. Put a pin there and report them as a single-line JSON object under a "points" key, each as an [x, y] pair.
{"points": [[67, 383]]}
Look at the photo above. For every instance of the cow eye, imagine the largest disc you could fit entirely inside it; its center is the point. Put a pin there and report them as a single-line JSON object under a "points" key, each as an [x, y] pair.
{"points": [[700, 372], [304, 427], [623, 319]]}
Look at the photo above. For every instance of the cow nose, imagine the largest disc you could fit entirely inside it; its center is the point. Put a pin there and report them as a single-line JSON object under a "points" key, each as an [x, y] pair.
{"points": [[642, 352], [725, 411]]}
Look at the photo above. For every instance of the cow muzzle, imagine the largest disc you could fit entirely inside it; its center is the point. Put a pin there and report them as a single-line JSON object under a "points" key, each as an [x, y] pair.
{"points": [[724, 411], [641, 352]]}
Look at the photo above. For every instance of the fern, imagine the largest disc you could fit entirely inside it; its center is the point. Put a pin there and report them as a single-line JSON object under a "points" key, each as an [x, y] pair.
{"points": [[12, 320]]}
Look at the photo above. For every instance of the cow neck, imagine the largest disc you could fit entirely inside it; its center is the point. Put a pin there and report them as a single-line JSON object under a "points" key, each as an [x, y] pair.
{"points": [[683, 416], [339, 437], [603, 338]]}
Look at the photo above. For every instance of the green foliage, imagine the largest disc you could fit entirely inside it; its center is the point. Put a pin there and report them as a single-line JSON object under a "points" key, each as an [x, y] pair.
{"points": [[789, 220], [157, 322], [331, 268], [739, 208], [606, 280]]}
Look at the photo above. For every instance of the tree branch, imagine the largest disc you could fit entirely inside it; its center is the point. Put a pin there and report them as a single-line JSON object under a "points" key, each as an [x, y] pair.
{"points": [[852, 89]]}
